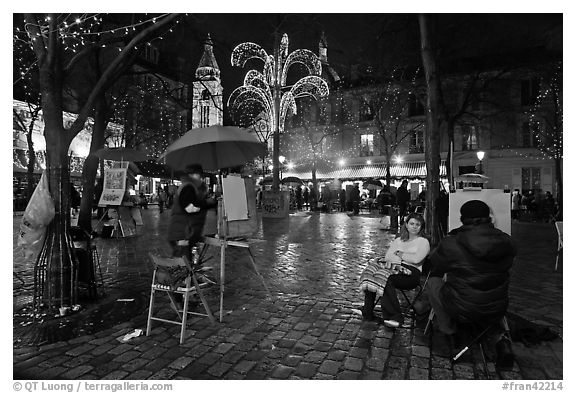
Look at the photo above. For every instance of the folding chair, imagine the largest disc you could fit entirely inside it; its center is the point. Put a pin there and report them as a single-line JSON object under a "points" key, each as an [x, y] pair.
{"points": [[559, 230], [420, 289], [162, 282]]}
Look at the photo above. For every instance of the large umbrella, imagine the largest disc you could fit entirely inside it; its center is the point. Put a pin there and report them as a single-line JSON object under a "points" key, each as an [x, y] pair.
{"points": [[120, 154], [372, 184], [214, 148], [472, 177], [292, 180]]}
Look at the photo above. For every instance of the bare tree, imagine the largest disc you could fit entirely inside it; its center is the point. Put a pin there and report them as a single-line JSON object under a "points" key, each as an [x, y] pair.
{"points": [[388, 107], [58, 51]]}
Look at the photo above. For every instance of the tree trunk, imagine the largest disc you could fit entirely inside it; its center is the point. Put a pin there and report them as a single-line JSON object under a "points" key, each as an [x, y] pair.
{"points": [[432, 139], [90, 168], [31, 160], [55, 274], [449, 158], [313, 203], [558, 168]]}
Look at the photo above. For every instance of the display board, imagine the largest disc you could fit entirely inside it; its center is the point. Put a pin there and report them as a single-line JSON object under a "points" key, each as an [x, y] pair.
{"points": [[234, 195], [275, 204], [497, 200], [114, 187]]}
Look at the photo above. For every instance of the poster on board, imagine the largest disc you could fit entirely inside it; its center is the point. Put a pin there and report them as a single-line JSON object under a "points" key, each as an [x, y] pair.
{"points": [[497, 200], [114, 186], [234, 195]]}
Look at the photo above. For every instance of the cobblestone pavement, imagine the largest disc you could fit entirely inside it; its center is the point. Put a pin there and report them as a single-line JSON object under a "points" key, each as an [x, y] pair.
{"points": [[305, 329]]}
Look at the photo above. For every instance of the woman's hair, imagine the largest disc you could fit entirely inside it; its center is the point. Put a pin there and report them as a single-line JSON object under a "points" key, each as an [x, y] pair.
{"points": [[404, 235]]}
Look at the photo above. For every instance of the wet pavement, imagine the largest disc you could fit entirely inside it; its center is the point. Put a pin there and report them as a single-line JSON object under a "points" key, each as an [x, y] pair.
{"points": [[304, 329]]}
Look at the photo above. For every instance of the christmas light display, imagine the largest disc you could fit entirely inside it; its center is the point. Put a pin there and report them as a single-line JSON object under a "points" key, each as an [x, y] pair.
{"points": [[258, 88], [546, 115], [266, 96]]}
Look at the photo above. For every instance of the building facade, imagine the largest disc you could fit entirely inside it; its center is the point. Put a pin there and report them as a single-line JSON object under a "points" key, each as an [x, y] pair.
{"points": [[511, 116]]}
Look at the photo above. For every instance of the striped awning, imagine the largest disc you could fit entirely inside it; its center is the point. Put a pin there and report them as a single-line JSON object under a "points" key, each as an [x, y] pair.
{"points": [[408, 170]]}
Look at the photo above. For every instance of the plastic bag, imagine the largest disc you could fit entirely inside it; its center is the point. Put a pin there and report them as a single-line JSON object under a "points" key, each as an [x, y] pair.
{"points": [[31, 238], [40, 210], [38, 214]]}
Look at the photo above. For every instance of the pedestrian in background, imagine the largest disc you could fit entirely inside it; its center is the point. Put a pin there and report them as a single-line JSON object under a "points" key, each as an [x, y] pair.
{"points": [[403, 198], [355, 199], [516, 198], [162, 197], [299, 197], [342, 200]]}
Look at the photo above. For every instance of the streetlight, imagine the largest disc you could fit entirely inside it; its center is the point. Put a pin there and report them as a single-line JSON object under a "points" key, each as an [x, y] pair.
{"points": [[341, 162], [480, 155]]}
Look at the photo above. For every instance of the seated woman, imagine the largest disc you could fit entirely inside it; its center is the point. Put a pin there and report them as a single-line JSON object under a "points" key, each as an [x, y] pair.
{"points": [[400, 268]]}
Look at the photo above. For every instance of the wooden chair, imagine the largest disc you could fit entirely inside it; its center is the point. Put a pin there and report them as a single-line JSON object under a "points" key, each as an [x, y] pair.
{"points": [[559, 230], [190, 287]]}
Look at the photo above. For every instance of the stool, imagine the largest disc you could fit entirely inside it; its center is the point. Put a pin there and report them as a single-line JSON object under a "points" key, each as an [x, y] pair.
{"points": [[479, 334]]}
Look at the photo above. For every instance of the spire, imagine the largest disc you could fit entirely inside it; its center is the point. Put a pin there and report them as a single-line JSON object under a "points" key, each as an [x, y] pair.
{"points": [[328, 73], [208, 67]]}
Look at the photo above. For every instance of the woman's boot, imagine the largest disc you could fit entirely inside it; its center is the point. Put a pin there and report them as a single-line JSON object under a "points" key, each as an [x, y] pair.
{"points": [[368, 308]]}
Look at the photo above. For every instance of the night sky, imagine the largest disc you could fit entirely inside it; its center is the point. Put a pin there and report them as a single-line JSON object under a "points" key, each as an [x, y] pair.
{"points": [[379, 40]]}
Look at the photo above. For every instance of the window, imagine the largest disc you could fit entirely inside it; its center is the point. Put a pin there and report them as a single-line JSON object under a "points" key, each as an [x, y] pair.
{"points": [[366, 145], [205, 94], [415, 107], [530, 179], [530, 131], [366, 113], [469, 138], [205, 116], [464, 169], [529, 90], [416, 142]]}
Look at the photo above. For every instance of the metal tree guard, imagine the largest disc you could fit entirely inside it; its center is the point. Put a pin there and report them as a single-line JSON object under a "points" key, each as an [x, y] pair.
{"points": [[265, 89]]}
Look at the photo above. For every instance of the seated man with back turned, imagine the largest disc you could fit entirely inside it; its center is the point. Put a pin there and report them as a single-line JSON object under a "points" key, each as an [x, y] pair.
{"points": [[475, 259]]}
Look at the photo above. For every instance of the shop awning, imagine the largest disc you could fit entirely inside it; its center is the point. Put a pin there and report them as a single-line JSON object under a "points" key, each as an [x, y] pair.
{"points": [[408, 170]]}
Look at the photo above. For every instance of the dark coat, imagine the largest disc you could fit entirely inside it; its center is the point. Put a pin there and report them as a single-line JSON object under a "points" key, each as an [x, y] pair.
{"points": [[402, 196], [476, 260], [185, 225]]}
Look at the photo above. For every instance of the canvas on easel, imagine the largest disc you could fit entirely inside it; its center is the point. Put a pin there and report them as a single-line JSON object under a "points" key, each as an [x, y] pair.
{"points": [[239, 199], [497, 200]]}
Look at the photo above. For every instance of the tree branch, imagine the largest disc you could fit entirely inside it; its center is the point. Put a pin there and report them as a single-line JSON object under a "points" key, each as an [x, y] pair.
{"points": [[108, 75]]}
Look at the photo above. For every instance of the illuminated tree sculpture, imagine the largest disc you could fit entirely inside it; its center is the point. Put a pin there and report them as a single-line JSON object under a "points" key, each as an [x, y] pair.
{"points": [[268, 91]]}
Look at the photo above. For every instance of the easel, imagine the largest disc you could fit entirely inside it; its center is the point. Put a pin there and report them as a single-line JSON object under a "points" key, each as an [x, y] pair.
{"points": [[221, 240], [118, 223]]}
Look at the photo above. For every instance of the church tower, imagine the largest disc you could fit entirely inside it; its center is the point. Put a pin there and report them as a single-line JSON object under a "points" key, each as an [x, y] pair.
{"points": [[328, 73], [207, 108]]}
